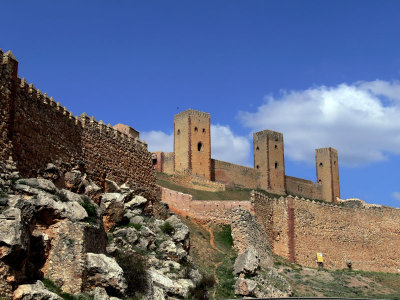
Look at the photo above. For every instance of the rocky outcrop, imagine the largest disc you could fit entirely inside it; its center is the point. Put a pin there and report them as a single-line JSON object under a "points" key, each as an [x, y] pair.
{"points": [[247, 262], [34, 291]]}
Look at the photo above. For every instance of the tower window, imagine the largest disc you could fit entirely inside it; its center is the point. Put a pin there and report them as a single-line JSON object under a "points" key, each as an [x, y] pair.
{"points": [[258, 148], [196, 129], [334, 162], [320, 181], [321, 164], [257, 166], [276, 146], [204, 130], [178, 132], [199, 146], [276, 165]]}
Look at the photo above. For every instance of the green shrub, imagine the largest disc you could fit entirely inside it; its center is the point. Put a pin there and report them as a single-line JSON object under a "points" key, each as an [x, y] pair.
{"points": [[135, 268], [90, 209], [200, 292], [167, 228], [52, 287], [223, 237], [137, 226]]}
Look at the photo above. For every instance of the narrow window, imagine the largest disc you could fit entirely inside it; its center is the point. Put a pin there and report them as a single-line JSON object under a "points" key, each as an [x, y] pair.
{"points": [[321, 164], [334, 162], [178, 132], [257, 148], [199, 146], [196, 129], [257, 166], [320, 181], [204, 130], [276, 146], [276, 165]]}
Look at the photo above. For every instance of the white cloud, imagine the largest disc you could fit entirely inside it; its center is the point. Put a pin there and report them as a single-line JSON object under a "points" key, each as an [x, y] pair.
{"points": [[396, 195], [225, 145], [158, 140], [361, 120], [228, 147]]}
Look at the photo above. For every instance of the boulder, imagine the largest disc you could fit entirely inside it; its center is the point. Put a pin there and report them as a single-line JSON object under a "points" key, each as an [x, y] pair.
{"points": [[100, 293], [247, 262], [111, 187], [103, 271], [108, 198], [73, 180], [245, 287], [113, 215], [34, 292], [168, 285], [39, 184], [181, 230], [136, 201]]}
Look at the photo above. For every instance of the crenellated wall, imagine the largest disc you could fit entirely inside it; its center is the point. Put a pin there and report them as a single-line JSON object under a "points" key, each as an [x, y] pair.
{"points": [[369, 236], [40, 131]]}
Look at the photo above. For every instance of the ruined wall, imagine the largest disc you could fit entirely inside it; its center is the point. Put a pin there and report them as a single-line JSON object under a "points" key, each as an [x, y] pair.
{"points": [[42, 131], [206, 210], [303, 188], [368, 236], [234, 175], [168, 162]]}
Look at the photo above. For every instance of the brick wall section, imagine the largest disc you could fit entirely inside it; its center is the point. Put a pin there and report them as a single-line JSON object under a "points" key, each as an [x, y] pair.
{"points": [[42, 131], [234, 175], [117, 156], [303, 188], [368, 236], [205, 210]]}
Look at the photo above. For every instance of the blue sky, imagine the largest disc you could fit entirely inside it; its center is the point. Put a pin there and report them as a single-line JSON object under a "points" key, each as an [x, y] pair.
{"points": [[325, 73]]}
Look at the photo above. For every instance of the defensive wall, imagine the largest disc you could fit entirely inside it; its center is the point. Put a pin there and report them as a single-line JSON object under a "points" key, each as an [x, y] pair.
{"points": [[192, 156], [204, 210], [35, 130], [368, 235]]}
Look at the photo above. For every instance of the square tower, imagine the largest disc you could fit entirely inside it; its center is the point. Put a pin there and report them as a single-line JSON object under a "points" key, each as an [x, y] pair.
{"points": [[192, 143], [327, 165], [269, 160]]}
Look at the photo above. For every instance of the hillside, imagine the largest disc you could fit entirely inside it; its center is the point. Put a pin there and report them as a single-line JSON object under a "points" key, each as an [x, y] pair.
{"points": [[212, 253]]}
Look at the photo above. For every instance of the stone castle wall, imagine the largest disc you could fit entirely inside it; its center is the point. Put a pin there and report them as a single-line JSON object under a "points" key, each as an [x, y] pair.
{"points": [[303, 188], [42, 131], [234, 175], [298, 229], [205, 210]]}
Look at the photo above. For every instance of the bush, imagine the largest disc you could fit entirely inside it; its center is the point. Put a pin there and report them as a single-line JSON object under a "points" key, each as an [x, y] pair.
{"points": [[167, 228], [52, 287], [224, 237], [135, 269], [200, 292], [90, 209]]}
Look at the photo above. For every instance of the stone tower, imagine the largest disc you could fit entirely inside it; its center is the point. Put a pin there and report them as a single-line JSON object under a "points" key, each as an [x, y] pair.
{"points": [[327, 165], [269, 160], [192, 143]]}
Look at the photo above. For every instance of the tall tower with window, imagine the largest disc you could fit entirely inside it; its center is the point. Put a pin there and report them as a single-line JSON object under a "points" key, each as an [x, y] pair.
{"points": [[192, 143], [269, 159], [327, 165]]}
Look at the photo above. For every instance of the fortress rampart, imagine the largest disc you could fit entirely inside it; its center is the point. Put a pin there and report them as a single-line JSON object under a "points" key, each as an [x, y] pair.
{"points": [[299, 228], [35, 130]]}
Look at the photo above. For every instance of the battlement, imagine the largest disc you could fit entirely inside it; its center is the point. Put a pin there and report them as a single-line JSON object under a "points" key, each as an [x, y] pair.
{"points": [[274, 135], [191, 112]]}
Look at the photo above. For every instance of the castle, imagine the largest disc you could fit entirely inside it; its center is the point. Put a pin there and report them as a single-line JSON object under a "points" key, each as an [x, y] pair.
{"points": [[36, 130], [192, 156]]}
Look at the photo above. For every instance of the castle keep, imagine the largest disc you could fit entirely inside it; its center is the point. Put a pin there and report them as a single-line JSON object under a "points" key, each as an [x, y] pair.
{"points": [[192, 156]]}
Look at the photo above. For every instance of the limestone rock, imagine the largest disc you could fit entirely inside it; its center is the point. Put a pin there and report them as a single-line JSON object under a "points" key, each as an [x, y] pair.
{"points": [[181, 230], [38, 183], [104, 272], [179, 288], [247, 262], [34, 292], [73, 180], [136, 201], [111, 187], [245, 287], [100, 293]]}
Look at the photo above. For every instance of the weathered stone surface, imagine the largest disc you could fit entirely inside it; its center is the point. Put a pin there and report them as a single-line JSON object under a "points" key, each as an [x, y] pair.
{"points": [[100, 293], [247, 262], [168, 285], [181, 230], [136, 201], [111, 187], [103, 271], [38, 183], [34, 292], [13, 233], [113, 215], [245, 287]]}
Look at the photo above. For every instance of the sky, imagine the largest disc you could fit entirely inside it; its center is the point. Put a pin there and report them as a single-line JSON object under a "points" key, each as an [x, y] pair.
{"points": [[324, 73]]}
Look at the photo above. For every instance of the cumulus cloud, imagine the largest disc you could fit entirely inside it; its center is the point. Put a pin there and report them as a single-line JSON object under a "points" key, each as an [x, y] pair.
{"points": [[396, 195], [225, 145], [361, 120], [228, 147], [158, 140]]}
